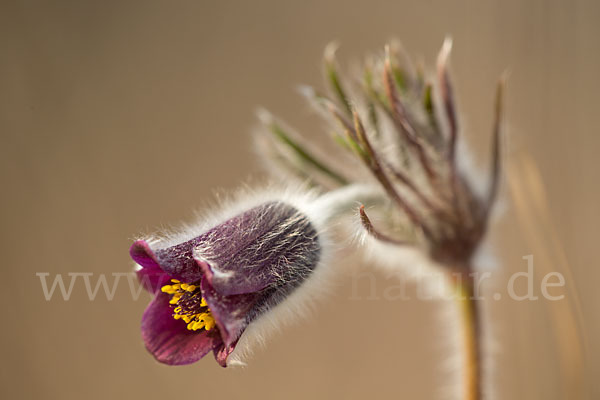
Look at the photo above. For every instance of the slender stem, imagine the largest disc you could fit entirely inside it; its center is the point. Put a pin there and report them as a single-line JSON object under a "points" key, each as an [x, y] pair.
{"points": [[400, 119], [302, 152], [333, 77], [471, 319], [371, 230], [495, 169], [372, 160]]}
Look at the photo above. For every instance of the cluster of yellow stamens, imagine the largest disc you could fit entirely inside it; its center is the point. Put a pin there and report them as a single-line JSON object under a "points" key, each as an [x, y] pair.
{"points": [[191, 307]]}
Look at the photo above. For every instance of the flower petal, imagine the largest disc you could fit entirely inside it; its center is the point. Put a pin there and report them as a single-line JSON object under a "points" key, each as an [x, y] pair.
{"points": [[222, 352], [150, 275], [142, 254], [152, 279], [232, 281], [256, 250], [169, 340], [232, 313], [176, 261]]}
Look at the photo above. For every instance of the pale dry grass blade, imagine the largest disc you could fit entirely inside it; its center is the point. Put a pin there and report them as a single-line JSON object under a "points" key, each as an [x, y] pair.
{"points": [[533, 213]]}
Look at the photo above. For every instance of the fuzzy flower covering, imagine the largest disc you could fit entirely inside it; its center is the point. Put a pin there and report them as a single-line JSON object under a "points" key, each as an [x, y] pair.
{"points": [[222, 287]]}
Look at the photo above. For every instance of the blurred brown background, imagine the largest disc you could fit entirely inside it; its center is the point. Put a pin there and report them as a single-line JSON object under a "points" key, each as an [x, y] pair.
{"points": [[118, 117]]}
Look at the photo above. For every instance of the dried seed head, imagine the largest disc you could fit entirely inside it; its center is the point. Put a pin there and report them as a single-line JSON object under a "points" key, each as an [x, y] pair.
{"points": [[405, 130]]}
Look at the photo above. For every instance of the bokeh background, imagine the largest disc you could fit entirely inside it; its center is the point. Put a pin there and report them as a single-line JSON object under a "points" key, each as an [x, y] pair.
{"points": [[118, 117]]}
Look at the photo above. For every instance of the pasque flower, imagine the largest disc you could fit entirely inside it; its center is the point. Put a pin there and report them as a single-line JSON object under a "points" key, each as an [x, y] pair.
{"points": [[212, 283]]}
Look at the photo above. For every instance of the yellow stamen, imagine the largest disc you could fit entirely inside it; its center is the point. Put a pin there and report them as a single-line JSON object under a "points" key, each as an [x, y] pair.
{"points": [[197, 325], [168, 289], [174, 300], [193, 321], [202, 316]]}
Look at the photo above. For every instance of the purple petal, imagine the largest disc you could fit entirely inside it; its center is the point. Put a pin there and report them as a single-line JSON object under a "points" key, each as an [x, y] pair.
{"points": [[231, 313], [169, 340], [151, 275], [235, 281], [222, 352], [250, 252], [176, 261], [254, 250], [142, 254], [152, 279]]}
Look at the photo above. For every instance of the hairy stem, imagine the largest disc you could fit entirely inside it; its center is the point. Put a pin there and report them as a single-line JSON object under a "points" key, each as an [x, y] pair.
{"points": [[471, 322]]}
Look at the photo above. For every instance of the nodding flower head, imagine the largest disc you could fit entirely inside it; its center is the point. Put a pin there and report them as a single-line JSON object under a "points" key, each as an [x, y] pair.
{"points": [[213, 283]]}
